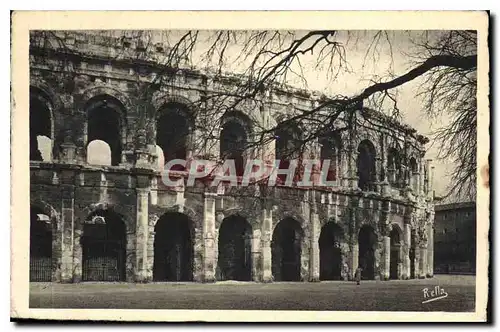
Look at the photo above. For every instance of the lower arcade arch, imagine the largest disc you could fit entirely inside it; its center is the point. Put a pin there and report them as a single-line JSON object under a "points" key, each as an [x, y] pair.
{"points": [[235, 241], [40, 246], [395, 254], [367, 242], [330, 252], [104, 244], [173, 248], [412, 254], [286, 249]]}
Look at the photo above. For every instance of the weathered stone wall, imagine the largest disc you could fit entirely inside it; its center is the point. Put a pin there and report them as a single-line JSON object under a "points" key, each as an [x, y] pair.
{"points": [[68, 189]]}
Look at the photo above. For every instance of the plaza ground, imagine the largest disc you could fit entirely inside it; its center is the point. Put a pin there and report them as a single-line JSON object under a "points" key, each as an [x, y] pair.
{"points": [[394, 295]]}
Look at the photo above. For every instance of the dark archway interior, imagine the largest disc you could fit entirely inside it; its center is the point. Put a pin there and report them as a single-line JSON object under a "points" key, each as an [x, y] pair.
{"points": [[104, 244], [330, 252], [235, 250], [414, 173], [394, 166], [40, 123], [412, 254], [330, 150], [104, 124], [40, 246], [172, 132], [367, 242], [173, 248], [286, 250], [233, 140], [395, 253], [366, 165], [288, 147]]}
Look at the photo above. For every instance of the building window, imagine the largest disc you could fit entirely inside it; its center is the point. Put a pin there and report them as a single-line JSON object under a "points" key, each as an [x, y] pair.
{"points": [[366, 166]]}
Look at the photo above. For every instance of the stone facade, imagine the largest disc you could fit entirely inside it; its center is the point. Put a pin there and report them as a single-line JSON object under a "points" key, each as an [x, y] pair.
{"points": [[284, 223], [455, 237]]}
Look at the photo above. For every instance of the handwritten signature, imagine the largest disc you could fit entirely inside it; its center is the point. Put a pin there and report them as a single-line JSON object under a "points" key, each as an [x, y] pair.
{"points": [[434, 294]]}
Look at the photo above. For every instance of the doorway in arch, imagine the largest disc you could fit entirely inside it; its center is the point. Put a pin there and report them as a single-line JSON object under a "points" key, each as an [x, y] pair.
{"points": [[367, 241], [40, 246], [173, 248], [395, 254], [235, 250], [104, 245], [330, 252], [286, 250]]}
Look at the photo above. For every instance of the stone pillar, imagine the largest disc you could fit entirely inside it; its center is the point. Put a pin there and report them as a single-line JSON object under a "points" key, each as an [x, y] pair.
{"points": [[430, 250], [386, 264], [353, 169], [68, 258], [422, 266], [142, 236], [415, 185], [429, 168], [266, 235], [379, 164], [314, 259], [354, 258], [346, 270], [256, 259], [209, 239], [68, 153], [406, 251], [344, 168]]}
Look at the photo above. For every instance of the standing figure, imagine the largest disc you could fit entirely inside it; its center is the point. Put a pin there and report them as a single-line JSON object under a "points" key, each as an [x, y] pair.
{"points": [[357, 275]]}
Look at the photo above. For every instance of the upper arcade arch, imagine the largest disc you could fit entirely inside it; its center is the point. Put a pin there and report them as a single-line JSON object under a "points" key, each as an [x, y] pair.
{"points": [[106, 121], [394, 167], [330, 146], [235, 134], [366, 168], [288, 146], [174, 127], [41, 128]]}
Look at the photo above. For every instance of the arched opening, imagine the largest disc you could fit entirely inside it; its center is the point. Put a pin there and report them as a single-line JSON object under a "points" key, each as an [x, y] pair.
{"points": [[414, 175], [235, 249], [288, 147], [330, 251], [104, 244], [367, 242], [286, 248], [330, 150], [40, 246], [40, 126], [105, 122], [395, 256], [366, 166], [394, 171], [173, 127], [234, 140], [173, 248], [99, 153]]}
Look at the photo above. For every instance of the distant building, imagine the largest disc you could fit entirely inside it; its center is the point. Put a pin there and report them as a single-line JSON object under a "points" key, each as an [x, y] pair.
{"points": [[455, 238]]}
